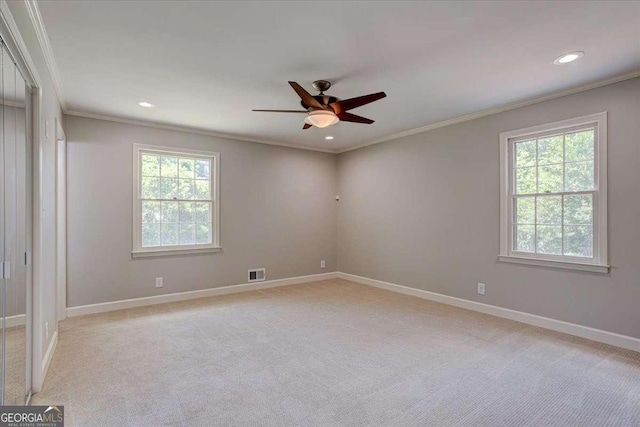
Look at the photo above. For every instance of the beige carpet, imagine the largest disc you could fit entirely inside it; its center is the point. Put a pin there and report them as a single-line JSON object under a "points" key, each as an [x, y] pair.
{"points": [[332, 353], [15, 366]]}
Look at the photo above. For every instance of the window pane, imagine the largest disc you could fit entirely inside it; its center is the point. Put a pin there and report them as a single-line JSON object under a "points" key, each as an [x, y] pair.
{"points": [[186, 189], [549, 239], [150, 235], [187, 168], [150, 165], [169, 234], [579, 146], [525, 180], [525, 210], [550, 179], [550, 150], [202, 190], [169, 188], [203, 212], [523, 238], [578, 209], [169, 167], [187, 234], [150, 188], [203, 168], [150, 212], [186, 212], [525, 153], [203, 233], [578, 240], [169, 212], [549, 210], [579, 176]]}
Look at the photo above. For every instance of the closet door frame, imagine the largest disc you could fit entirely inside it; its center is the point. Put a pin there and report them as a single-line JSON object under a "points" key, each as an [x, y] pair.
{"points": [[61, 222], [34, 307]]}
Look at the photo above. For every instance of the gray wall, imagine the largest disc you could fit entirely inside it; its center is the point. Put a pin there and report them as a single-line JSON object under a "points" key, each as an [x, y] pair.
{"points": [[278, 211], [423, 211]]}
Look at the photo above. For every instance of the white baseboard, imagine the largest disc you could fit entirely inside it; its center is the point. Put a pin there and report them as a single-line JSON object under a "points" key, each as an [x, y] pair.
{"points": [[17, 320], [593, 334], [598, 335], [48, 356], [183, 296]]}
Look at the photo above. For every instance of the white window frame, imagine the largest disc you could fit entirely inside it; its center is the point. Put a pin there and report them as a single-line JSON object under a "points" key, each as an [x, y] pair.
{"points": [[140, 251], [599, 262]]}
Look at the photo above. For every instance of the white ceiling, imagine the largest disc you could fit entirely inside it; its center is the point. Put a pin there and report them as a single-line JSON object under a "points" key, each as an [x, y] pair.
{"points": [[207, 64]]}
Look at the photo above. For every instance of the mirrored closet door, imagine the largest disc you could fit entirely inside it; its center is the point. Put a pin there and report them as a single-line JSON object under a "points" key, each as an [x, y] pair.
{"points": [[14, 232]]}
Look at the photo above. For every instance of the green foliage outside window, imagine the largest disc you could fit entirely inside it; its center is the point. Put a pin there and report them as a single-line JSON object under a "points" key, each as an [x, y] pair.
{"points": [[176, 206], [547, 220]]}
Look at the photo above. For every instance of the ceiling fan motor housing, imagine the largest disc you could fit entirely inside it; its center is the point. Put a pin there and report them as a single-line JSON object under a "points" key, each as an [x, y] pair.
{"points": [[322, 99]]}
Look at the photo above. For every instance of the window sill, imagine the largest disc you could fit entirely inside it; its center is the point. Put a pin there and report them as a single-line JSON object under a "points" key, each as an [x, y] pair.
{"points": [[593, 268], [174, 252]]}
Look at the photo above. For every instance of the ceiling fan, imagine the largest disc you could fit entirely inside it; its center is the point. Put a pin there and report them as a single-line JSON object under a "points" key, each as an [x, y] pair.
{"points": [[324, 110]]}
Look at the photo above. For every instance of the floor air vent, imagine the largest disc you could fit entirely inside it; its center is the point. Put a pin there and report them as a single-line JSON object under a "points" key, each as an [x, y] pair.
{"points": [[257, 275]]}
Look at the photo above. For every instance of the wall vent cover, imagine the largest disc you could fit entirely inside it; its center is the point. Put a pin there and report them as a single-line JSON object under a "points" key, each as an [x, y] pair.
{"points": [[257, 275]]}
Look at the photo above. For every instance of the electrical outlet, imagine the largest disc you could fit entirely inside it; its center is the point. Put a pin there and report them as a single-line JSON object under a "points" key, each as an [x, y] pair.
{"points": [[46, 331], [480, 288], [322, 264], [159, 282]]}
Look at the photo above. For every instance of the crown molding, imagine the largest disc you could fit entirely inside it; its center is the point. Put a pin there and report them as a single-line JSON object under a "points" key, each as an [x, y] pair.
{"points": [[496, 110], [440, 124], [16, 45], [186, 129], [47, 51]]}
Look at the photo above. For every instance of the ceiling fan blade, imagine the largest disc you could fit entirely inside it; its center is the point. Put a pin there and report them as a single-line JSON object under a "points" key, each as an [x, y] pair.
{"points": [[282, 111], [306, 96], [306, 126], [351, 103], [348, 117]]}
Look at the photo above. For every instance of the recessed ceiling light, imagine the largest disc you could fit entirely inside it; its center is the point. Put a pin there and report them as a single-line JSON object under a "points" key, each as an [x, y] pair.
{"points": [[145, 104], [328, 137], [568, 57]]}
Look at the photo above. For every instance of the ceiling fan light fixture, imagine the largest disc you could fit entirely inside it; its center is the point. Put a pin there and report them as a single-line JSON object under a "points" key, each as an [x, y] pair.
{"points": [[321, 118]]}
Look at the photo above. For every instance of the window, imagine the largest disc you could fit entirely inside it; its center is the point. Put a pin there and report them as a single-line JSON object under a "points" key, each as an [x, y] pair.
{"points": [[554, 194], [176, 207]]}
